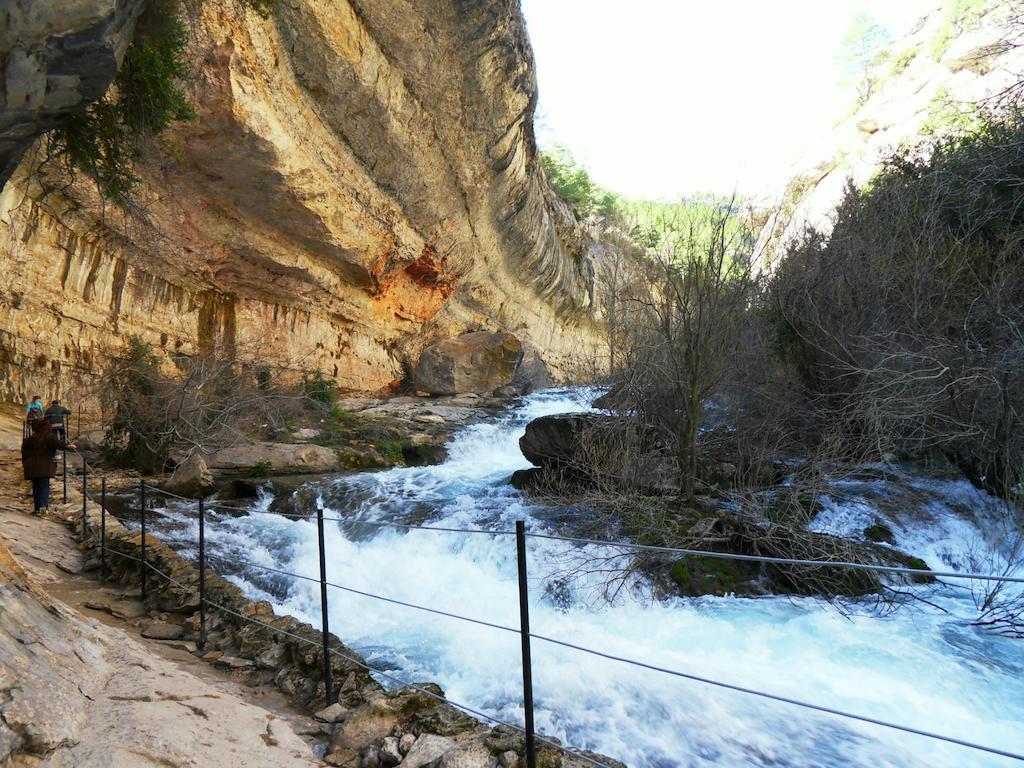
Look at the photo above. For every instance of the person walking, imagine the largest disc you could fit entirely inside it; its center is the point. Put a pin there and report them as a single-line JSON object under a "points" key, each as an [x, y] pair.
{"points": [[55, 415], [37, 460], [33, 411]]}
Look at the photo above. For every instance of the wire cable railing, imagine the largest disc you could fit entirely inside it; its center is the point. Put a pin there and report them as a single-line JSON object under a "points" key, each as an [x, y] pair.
{"points": [[531, 736], [893, 569], [660, 669], [665, 550], [373, 670], [779, 698]]}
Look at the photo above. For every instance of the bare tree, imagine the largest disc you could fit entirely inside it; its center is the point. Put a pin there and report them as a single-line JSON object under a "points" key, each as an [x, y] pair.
{"points": [[1000, 552], [213, 397], [683, 337]]}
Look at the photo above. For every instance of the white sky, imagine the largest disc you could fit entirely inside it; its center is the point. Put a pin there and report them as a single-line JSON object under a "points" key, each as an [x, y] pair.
{"points": [[661, 98]]}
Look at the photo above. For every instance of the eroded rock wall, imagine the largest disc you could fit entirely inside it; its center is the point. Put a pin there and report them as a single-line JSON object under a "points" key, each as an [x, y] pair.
{"points": [[56, 58], [361, 178]]}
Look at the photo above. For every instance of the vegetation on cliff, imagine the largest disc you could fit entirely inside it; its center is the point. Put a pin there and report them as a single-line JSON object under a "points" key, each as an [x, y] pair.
{"points": [[229, 399], [904, 328], [900, 336], [105, 140]]}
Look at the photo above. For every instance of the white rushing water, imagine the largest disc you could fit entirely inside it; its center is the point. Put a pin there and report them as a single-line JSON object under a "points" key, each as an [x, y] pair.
{"points": [[923, 666]]}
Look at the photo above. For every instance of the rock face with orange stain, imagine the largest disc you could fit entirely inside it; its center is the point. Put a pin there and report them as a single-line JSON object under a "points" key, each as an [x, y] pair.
{"points": [[361, 180]]}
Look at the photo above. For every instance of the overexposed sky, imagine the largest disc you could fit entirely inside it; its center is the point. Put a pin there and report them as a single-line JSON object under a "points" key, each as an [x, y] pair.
{"points": [[662, 98]]}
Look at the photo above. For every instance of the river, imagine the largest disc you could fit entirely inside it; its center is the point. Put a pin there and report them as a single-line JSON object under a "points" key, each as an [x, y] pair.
{"points": [[924, 665]]}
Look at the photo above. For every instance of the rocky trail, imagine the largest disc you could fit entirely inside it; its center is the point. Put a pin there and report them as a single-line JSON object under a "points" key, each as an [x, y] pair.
{"points": [[80, 687]]}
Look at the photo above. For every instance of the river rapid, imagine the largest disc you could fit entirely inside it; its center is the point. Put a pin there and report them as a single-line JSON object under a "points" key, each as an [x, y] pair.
{"points": [[924, 665]]}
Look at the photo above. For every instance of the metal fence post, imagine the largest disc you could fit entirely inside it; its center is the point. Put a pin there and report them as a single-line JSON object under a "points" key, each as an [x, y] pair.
{"points": [[524, 624], [142, 551], [65, 473], [202, 574], [85, 496], [103, 529], [324, 627]]}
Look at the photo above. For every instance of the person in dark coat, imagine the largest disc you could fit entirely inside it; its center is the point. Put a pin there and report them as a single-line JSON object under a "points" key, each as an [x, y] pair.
{"points": [[37, 459], [55, 415]]}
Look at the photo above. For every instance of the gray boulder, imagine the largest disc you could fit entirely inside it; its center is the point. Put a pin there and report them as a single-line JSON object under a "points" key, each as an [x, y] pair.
{"points": [[474, 362], [426, 750], [58, 57], [389, 753], [191, 477], [531, 373], [554, 440], [471, 754], [559, 443]]}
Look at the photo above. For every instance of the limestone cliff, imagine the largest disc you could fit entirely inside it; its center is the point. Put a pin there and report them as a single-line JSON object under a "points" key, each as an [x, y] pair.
{"points": [[361, 178], [54, 62], [926, 82]]}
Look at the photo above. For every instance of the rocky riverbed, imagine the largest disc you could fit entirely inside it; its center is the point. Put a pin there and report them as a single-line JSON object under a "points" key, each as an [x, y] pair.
{"points": [[796, 646], [368, 726]]}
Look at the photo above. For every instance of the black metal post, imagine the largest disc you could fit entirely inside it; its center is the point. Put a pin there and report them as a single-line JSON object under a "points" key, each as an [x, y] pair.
{"points": [[65, 473], [324, 627], [524, 625], [85, 497], [103, 529], [202, 574], [142, 551]]}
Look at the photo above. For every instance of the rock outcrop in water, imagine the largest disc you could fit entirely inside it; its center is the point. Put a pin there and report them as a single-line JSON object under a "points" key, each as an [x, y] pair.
{"points": [[361, 179]]}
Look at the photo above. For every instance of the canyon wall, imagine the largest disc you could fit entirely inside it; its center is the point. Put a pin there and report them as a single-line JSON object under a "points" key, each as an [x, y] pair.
{"points": [[928, 82], [361, 178]]}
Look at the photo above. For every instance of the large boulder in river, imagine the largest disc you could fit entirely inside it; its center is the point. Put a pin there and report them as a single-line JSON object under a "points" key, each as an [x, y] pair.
{"points": [[286, 458], [532, 372], [554, 440], [479, 362], [191, 477], [583, 448]]}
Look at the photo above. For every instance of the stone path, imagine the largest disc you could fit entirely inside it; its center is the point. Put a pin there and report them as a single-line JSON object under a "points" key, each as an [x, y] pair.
{"points": [[79, 687]]}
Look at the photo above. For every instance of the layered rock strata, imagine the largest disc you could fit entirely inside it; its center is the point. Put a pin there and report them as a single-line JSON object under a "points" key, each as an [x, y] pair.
{"points": [[361, 178]]}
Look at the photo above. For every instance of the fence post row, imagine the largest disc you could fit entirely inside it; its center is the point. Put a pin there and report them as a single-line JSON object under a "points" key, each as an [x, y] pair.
{"points": [[103, 529], [524, 618], [524, 624], [324, 626], [142, 552], [85, 497], [202, 573]]}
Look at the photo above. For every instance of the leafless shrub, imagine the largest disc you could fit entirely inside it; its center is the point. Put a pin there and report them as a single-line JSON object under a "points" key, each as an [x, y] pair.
{"points": [[1000, 604], [209, 399], [906, 327]]}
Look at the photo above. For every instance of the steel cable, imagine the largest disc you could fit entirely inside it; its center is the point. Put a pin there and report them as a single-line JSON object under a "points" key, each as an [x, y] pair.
{"points": [[896, 570], [667, 671], [392, 678], [783, 699]]}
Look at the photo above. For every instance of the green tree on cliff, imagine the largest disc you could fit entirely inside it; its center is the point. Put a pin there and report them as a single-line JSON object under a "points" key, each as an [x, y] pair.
{"points": [[572, 183], [861, 45], [104, 141]]}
